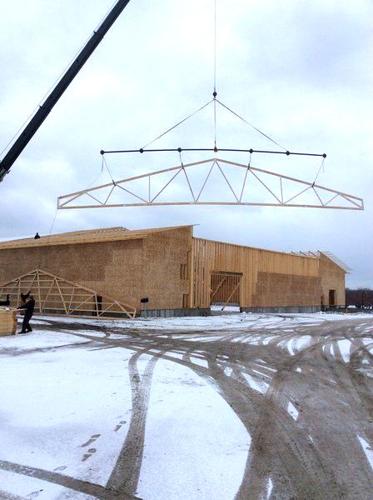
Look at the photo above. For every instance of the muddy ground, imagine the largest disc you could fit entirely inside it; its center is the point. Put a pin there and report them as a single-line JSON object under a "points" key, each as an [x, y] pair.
{"points": [[314, 450]]}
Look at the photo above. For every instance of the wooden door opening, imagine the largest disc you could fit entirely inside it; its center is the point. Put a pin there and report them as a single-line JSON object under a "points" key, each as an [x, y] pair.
{"points": [[225, 288], [331, 298]]}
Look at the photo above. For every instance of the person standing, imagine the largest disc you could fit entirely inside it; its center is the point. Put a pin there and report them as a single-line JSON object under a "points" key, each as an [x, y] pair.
{"points": [[28, 306]]}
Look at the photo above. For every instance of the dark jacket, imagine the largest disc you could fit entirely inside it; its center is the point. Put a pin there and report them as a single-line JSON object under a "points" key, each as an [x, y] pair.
{"points": [[29, 306], [5, 302]]}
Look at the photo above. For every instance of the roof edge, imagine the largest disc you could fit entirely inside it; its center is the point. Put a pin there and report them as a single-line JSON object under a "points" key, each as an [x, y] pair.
{"points": [[89, 236], [291, 254]]}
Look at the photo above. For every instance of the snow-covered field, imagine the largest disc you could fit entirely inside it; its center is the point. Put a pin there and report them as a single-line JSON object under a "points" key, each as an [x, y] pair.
{"points": [[87, 410]]}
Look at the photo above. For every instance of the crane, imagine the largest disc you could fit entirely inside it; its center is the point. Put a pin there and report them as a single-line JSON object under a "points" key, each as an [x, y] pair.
{"points": [[36, 121]]}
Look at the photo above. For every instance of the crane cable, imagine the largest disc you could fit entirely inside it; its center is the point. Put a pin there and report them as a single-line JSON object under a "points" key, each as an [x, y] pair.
{"points": [[47, 93], [251, 125], [215, 101], [43, 99], [177, 124], [215, 65], [321, 168], [103, 165]]}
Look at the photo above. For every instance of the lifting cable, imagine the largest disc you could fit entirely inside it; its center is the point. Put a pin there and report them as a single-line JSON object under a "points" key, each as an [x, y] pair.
{"points": [[215, 33], [47, 93], [48, 235], [321, 167], [215, 101], [215, 92], [181, 159], [177, 124], [16, 134], [251, 125], [219, 102], [53, 222], [104, 164]]}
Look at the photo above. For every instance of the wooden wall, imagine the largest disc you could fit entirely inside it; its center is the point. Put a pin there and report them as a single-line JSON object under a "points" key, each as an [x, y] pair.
{"points": [[112, 268], [166, 268], [278, 290], [332, 278], [126, 270], [173, 270], [269, 278]]}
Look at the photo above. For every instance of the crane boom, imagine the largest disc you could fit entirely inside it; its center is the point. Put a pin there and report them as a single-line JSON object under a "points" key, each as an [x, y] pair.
{"points": [[44, 110]]}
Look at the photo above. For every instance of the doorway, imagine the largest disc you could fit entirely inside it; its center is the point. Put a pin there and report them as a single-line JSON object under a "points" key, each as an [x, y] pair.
{"points": [[331, 298], [225, 288]]}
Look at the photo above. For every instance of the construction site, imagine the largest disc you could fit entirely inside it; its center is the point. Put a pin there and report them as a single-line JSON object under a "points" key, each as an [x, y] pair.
{"points": [[143, 357], [165, 272]]}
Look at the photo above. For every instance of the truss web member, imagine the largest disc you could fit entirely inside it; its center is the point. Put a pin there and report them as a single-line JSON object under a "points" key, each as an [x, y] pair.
{"points": [[29, 306]]}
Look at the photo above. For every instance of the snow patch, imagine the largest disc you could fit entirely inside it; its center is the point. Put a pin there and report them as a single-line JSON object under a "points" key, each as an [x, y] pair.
{"points": [[50, 406], [302, 342], [293, 412], [268, 339], [368, 343], [24, 486], [257, 385], [269, 488], [367, 450], [345, 348], [177, 423], [199, 361]]}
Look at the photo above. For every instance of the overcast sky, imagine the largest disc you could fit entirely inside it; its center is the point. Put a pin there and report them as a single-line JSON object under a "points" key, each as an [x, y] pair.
{"points": [[299, 70]]}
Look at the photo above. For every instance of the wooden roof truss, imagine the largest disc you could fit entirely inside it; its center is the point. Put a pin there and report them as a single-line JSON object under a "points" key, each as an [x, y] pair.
{"points": [[211, 182], [55, 295]]}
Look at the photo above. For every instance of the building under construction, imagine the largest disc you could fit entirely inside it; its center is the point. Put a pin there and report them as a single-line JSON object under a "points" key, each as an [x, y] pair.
{"points": [[163, 271]]}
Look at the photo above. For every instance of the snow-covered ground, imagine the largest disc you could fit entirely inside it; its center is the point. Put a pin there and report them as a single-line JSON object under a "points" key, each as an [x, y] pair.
{"points": [[66, 406], [224, 321], [69, 399]]}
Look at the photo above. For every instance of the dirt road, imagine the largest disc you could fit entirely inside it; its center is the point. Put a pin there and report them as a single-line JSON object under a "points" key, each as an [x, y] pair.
{"points": [[302, 391]]}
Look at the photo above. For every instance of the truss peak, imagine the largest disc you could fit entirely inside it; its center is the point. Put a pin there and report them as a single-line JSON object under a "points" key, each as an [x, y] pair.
{"points": [[211, 182]]}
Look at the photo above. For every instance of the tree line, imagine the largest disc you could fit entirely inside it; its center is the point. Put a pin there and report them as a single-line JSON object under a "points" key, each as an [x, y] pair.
{"points": [[360, 297]]}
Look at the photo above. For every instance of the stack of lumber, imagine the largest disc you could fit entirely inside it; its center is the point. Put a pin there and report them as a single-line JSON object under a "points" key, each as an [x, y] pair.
{"points": [[8, 322]]}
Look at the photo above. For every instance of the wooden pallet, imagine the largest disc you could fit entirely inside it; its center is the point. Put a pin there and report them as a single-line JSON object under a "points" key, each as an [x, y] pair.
{"points": [[8, 321], [55, 295]]}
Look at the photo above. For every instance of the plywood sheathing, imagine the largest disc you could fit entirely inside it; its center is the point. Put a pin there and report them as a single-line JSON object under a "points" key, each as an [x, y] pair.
{"points": [[172, 268], [332, 278], [278, 290], [164, 254], [117, 262], [56, 295], [113, 268]]}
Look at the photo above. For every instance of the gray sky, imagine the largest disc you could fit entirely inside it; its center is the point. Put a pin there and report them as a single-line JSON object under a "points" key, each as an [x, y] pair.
{"points": [[299, 70]]}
